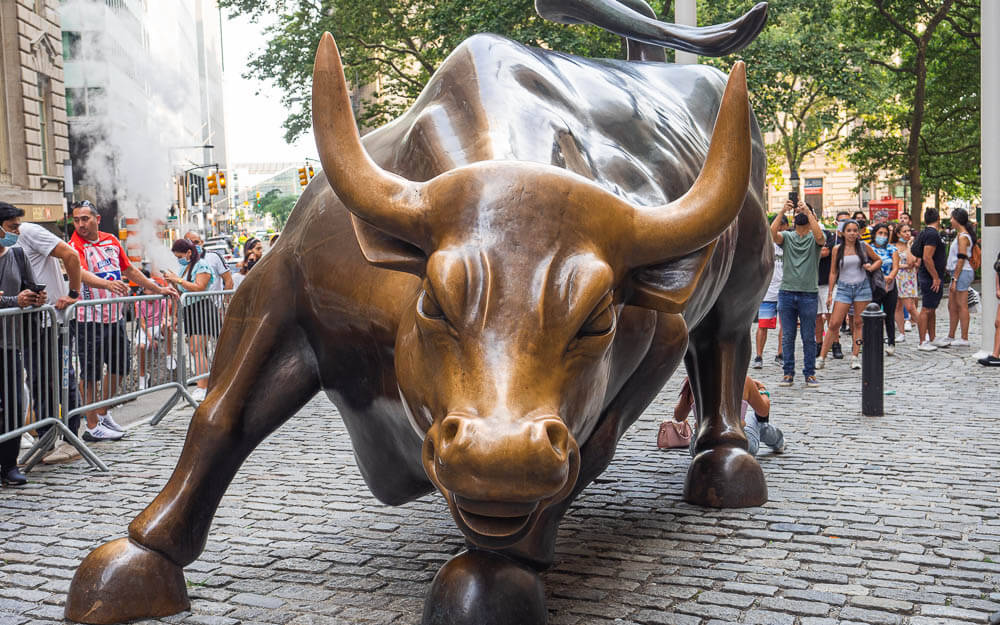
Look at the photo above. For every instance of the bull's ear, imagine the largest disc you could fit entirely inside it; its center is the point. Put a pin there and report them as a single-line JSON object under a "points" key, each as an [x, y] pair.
{"points": [[668, 286], [384, 250]]}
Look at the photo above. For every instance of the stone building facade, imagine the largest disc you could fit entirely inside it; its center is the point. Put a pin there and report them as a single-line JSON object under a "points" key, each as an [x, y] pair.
{"points": [[34, 134]]}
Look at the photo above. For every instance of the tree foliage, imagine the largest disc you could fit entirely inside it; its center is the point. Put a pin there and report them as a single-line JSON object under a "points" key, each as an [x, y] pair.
{"points": [[393, 45], [922, 119], [804, 83], [277, 205]]}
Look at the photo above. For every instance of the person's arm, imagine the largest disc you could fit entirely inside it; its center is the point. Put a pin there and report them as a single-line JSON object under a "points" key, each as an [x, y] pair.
{"points": [[813, 224], [151, 287], [874, 265], [776, 236], [200, 282], [998, 288], [823, 253], [752, 395], [71, 263], [227, 280], [834, 268], [895, 267], [928, 259], [91, 279]]}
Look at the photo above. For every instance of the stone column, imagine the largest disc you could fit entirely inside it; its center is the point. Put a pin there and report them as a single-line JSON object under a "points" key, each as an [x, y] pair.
{"points": [[990, 125], [686, 13]]}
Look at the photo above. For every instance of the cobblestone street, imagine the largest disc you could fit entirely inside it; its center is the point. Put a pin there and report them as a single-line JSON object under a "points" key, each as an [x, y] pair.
{"points": [[889, 521]]}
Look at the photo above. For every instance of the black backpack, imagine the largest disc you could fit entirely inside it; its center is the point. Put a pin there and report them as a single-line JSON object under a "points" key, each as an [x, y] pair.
{"points": [[917, 248]]}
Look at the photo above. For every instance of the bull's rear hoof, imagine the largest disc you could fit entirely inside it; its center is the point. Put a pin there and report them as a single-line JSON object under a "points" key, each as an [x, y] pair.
{"points": [[725, 477], [121, 581], [483, 588]]}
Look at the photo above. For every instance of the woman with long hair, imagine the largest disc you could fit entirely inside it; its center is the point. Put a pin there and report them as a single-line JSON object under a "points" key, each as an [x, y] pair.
{"points": [[890, 268], [962, 276], [849, 266], [253, 249], [199, 318], [906, 279]]}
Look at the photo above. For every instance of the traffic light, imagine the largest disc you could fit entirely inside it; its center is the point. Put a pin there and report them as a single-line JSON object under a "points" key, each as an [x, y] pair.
{"points": [[312, 173], [303, 178], [222, 180], [213, 186], [258, 199]]}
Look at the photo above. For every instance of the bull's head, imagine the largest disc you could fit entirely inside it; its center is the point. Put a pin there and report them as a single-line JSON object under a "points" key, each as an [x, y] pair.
{"points": [[503, 356]]}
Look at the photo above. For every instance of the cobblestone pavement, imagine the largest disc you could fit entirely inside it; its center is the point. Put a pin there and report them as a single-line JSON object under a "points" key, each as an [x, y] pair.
{"points": [[890, 520]]}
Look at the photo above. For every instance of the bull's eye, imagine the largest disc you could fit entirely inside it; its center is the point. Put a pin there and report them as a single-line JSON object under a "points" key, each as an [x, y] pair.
{"points": [[601, 321], [429, 307]]}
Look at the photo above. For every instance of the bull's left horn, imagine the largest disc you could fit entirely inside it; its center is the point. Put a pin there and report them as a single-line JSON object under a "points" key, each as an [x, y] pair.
{"points": [[699, 216], [383, 199]]}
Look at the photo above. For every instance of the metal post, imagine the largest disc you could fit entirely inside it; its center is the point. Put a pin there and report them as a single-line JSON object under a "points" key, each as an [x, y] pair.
{"points": [[990, 124], [872, 374]]}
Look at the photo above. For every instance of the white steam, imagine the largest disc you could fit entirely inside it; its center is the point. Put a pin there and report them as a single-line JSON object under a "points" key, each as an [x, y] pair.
{"points": [[149, 105]]}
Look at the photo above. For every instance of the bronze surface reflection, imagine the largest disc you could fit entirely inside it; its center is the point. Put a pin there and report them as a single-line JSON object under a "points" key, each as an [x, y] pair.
{"points": [[491, 289]]}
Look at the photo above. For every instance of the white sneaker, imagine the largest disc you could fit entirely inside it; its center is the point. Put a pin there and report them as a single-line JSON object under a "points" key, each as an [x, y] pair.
{"points": [[110, 423], [907, 326], [959, 343], [927, 346], [890, 350], [820, 362], [198, 394], [171, 363], [143, 382], [900, 338], [27, 441], [855, 362], [100, 433], [941, 341]]}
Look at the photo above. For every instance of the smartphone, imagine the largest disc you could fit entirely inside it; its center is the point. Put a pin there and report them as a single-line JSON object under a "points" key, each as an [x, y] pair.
{"points": [[793, 196], [37, 288]]}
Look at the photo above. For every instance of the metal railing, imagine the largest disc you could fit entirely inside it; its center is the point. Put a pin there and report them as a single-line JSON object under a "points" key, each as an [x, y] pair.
{"points": [[31, 383]]}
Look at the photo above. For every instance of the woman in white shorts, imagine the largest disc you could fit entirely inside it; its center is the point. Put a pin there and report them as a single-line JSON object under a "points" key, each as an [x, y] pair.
{"points": [[962, 276]]}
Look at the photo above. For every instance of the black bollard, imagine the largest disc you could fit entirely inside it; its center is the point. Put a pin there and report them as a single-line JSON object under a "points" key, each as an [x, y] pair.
{"points": [[872, 382]]}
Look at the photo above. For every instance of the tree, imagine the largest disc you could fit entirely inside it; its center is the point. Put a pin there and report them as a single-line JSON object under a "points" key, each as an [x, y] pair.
{"points": [[803, 82], [923, 120], [277, 205], [393, 45]]}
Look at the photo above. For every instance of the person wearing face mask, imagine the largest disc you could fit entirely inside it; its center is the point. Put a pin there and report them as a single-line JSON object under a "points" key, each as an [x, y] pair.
{"points": [[890, 269], [906, 278], [199, 319], [862, 220], [223, 275], [797, 296], [16, 280], [253, 249]]}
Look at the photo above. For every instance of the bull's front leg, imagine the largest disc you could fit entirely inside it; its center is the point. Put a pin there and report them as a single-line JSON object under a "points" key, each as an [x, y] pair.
{"points": [[722, 473]]}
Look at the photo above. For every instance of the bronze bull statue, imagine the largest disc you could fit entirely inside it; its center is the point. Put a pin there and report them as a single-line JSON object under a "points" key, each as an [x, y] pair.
{"points": [[491, 289]]}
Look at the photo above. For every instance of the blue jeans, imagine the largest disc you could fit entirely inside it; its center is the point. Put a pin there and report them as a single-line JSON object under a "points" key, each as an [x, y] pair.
{"points": [[798, 308]]}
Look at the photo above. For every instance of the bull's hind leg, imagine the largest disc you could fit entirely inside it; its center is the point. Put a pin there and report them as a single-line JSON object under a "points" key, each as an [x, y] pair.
{"points": [[265, 371], [722, 473]]}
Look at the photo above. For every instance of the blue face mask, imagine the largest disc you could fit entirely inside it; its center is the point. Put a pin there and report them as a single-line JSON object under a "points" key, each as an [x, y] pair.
{"points": [[9, 238], [201, 252], [881, 240], [184, 261]]}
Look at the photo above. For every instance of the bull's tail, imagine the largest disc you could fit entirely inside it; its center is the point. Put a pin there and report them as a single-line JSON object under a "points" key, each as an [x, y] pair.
{"points": [[636, 21]]}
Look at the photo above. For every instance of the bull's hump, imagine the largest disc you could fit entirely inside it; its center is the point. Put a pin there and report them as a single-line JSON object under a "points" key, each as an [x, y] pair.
{"points": [[639, 129]]}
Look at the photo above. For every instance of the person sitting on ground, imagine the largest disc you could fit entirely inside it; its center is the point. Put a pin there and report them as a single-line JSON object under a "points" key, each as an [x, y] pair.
{"points": [[756, 422], [993, 360]]}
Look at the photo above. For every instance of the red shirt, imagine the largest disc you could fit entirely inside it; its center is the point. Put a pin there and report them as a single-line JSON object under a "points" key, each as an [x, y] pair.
{"points": [[105, 258]]}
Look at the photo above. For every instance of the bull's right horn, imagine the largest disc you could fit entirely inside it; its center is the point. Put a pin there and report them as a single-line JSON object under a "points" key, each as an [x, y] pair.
{"points": [[389, 202], [698, 217]]}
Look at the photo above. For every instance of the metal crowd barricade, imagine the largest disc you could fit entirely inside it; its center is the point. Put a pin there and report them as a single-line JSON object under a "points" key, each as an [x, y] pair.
{"points": [[31, 383], [123, 348], [199, 322]]}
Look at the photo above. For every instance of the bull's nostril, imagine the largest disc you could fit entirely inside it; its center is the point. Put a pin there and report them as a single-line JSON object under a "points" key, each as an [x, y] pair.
{"points": [[449, 430], [558, 437]]}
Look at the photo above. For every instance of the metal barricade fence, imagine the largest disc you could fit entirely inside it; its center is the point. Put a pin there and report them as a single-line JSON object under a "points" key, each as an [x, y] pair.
{"points": [[123, 348], [31, 383], [199, 322]]}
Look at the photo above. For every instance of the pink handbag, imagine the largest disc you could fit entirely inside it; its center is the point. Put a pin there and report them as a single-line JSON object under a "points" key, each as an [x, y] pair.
{"points": [[673, 434]]}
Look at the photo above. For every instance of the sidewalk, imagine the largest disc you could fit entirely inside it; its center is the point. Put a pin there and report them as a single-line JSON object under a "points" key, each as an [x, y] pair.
{"points": [[892, 520]]}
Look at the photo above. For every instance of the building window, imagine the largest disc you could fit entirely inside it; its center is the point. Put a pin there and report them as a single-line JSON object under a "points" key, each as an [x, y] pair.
{"points": [[71, 45], [83, 101], [45, 123], [866, 196]]}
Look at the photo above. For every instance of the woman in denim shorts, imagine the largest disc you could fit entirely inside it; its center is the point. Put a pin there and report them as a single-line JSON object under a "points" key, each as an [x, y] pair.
{"points": [[962, 276], [849, 267]]}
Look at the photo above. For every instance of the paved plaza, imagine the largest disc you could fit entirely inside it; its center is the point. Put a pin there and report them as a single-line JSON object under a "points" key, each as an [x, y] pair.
{"points": [[888, 521]]}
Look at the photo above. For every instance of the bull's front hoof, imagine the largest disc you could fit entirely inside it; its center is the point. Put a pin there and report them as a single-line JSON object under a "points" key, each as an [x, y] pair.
{"points": [[725, 477], [121, 581], [483, 588]]}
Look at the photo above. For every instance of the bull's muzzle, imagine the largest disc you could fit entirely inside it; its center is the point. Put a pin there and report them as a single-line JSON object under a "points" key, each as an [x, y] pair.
{"points": [[499, 474]]}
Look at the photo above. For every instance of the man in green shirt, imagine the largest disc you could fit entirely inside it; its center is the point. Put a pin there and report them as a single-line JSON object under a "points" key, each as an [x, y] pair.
{"points": [[797, 296]]}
